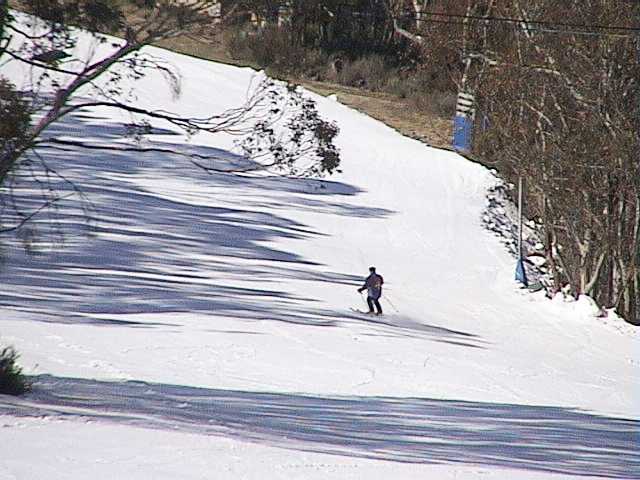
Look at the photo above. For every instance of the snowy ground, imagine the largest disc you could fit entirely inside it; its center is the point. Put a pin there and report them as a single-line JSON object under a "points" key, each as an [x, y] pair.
{"points": [[203, 329]]}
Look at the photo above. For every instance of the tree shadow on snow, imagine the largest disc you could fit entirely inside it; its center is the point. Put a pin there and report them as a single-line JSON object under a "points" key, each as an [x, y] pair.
{"points": [[179, 250], [413, 430]]}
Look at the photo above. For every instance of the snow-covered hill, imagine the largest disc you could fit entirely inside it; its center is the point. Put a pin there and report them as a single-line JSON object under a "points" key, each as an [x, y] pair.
{"points": [[202, 325]]}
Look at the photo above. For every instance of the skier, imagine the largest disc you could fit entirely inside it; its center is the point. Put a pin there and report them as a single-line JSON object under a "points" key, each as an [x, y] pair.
{"points": [[373, 286]]}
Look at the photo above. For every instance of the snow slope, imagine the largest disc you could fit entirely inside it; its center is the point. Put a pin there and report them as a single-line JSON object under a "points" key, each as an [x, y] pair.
{"points": [[201, 327]]}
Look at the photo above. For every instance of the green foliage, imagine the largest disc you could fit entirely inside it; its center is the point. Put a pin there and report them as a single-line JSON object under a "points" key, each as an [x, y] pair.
{"points": [[12, 380], [304, 147], [96, 15], [271, 48], [14, 112], [326, 151], [50, 10], [100, 15], [4, 18], [359, 27], [326, 154], [15, 115]]}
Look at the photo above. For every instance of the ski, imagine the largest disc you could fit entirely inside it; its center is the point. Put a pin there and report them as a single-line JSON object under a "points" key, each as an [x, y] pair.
{"points": [[362, 312]]}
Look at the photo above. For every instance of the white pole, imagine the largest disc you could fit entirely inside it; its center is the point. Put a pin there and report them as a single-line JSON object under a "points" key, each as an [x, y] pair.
{"points": [[520, 218], [521, 274]]}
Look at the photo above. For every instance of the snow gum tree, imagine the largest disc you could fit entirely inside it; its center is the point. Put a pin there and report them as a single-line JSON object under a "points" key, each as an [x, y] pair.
{"points": [[66, 81]]}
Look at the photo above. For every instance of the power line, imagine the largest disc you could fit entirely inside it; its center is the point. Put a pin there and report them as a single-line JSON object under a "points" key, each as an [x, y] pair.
{"points": [[499, 19], [544, 30], [462, 24], [533, 25], [447, 19], [536, 22]]}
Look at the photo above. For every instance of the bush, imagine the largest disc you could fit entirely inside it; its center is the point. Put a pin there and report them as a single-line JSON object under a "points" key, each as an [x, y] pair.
{"points": [[420, 92], [274, 49], [12, 380], [442, 104], [315, 65], [271, 48], [14, 127], [234, 40], [370, 72]]}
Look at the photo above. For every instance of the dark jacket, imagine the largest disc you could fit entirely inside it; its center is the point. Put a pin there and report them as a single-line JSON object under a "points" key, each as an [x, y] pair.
{"points": [[373, 286]]}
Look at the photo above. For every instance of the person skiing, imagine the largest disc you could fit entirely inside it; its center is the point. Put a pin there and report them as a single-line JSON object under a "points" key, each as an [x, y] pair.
{"points": [[373, 286]]}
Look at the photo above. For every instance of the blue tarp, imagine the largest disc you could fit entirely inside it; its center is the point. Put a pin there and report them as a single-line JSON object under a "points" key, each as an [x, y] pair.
{"points": [[521, 273], [462, 133]]}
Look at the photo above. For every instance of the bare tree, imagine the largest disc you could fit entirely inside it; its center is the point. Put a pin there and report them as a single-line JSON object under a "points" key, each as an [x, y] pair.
{"points": [[558, 113], [557, 104]]}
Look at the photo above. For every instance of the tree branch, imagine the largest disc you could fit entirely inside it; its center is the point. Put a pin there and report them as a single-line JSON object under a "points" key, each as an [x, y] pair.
{"points": [[42, 207], [45, 66]]}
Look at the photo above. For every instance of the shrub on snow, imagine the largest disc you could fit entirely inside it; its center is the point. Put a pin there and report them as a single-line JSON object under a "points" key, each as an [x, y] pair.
{"points": [[12, 380]]}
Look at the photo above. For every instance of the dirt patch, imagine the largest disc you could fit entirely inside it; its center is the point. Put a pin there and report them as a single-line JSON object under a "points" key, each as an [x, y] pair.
{"points": [[391, 110]]}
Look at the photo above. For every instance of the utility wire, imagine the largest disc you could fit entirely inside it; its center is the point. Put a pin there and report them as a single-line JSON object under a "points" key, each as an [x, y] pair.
{"points": [[544, 30], [536, 22], [458, 20], [421, 19]]}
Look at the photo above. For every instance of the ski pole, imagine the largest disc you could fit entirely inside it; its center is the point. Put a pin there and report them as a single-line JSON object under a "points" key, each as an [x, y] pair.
{"points": [[390, 303], [363, 300]]}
